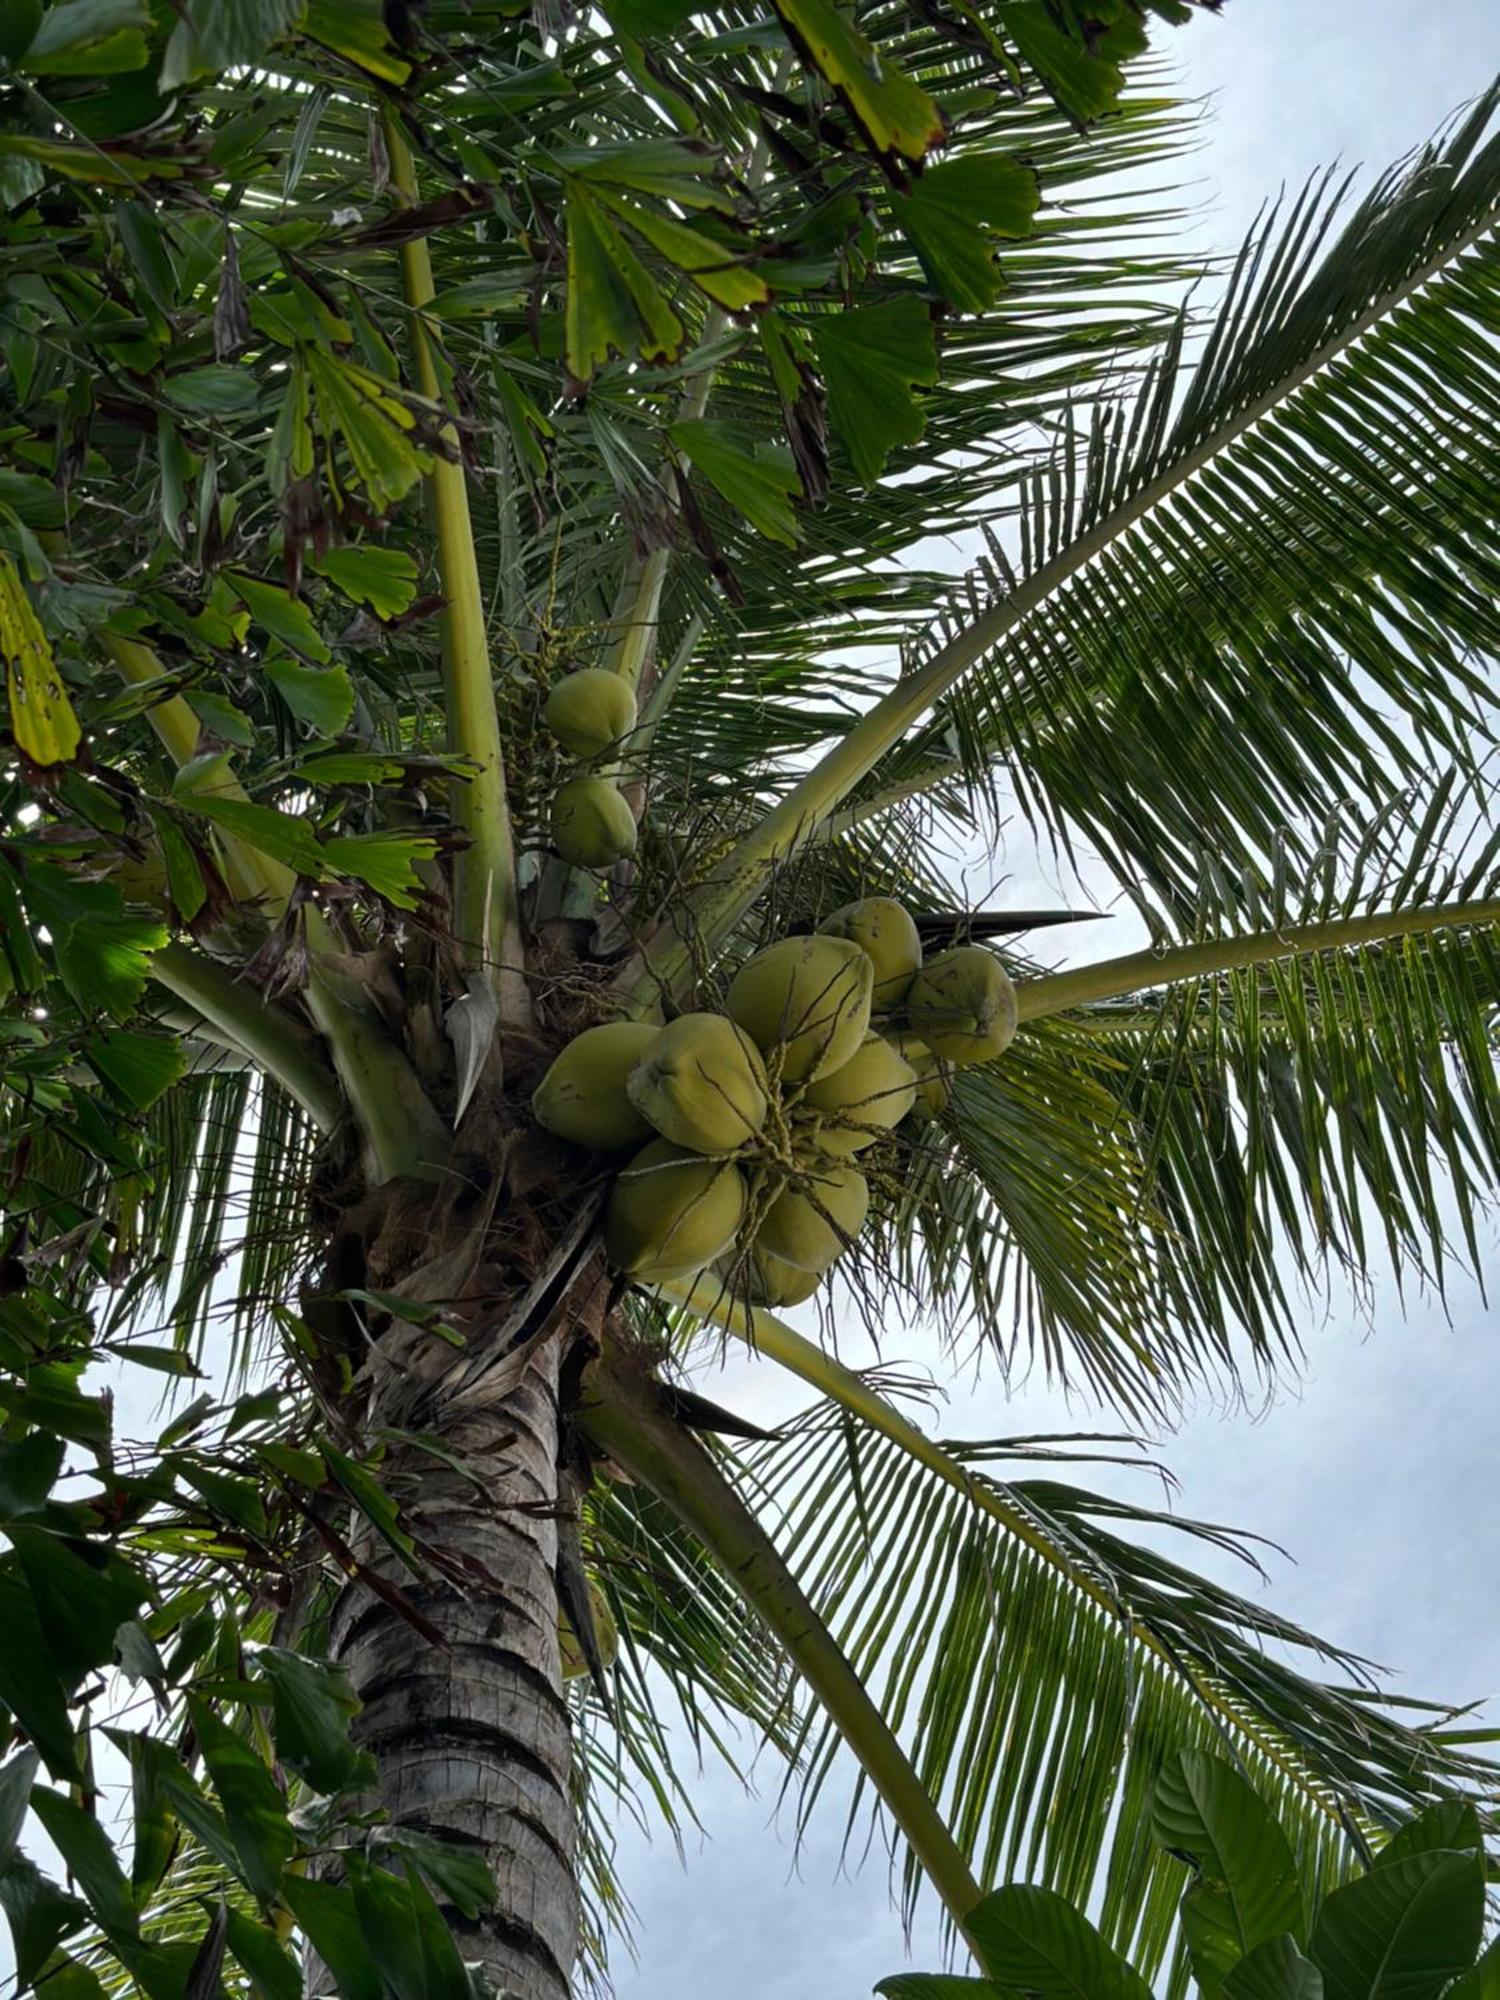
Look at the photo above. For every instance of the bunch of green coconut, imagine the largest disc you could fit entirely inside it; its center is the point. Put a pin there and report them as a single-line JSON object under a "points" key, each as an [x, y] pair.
{"points": [[744, 1128], [590, 712]]}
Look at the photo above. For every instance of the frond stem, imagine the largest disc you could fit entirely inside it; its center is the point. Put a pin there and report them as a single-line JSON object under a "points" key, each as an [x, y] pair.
{"points": [[486, 909], [242, 1016], [765, 1334], [622, 1415], [718, 905], [1113, 978]]}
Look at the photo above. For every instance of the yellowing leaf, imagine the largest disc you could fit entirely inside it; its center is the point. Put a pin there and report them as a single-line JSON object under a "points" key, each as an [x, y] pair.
{"points": [[895, 114], [41, 716], [613, 304]]}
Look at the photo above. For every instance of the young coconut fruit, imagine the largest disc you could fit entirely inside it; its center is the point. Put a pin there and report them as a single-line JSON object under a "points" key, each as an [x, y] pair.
{"points": [[933, 1092], [813, 1225], [583, 1096], [771, 1281], [589, 710], [868, 1097], [963, 1005], [670, 1212], [886, 934], [592, 825], [702, 1084], [807, 997]]}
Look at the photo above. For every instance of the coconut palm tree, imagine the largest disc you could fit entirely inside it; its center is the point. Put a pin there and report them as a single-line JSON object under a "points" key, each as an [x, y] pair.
{"points": [[477, 606]]}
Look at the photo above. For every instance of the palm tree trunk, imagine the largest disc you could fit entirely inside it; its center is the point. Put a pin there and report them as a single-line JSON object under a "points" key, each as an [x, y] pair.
{"points": [[471, 1735]]}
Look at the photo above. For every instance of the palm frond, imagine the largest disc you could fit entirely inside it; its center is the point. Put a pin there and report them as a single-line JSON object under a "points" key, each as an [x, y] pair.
{"points": [[1139, 1185], [1040, 1656], [1270, 565]]}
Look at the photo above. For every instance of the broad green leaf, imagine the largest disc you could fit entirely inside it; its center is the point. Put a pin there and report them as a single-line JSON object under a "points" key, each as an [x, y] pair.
{"points": [[385, 862], [278, 834], [761, 481], [896, 116], [1275, 1970], [717, 268], [90, 1856], [39, 1913], [460, 1873], [1483, 1983], [273, 1971], [387, 1923], [952, 214], [358, 30], [41, 715], [219, 390], [1035, 1940], [82, 1592], [322, 697], [613, 305], [1451, 1824], [370, 1498], [89, 38], [137, 1067], [312, 1705], [374, 423], [326, 1915], [214, 35], [1247, 1888], [28, 1471], [16, 1780], [1401, 1932], [872, 359], [280, 614], [254, 1810], [234, 1500], [103, 954], [385, 579]]}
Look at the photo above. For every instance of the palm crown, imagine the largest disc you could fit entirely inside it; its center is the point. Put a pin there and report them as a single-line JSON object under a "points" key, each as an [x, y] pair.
{"points": [[370, 371]]}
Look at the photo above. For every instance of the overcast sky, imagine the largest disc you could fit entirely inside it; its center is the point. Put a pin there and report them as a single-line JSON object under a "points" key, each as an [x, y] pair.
{"points": [[1376, 1472]]}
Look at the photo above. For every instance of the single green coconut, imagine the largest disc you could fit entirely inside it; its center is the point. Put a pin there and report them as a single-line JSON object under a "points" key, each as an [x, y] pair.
{"points": [[933, 1091], [884, 931], [583, 1096], [590, 710], [963, 1005], [773, 1282], [671, 1212], [702, 1084], [813, 1224], [857, 1104], [592, 824], [606, 1632], [809, 999]]}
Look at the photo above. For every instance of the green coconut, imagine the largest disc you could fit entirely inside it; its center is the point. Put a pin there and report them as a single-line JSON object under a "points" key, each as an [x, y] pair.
{"points": [[606, 1632], [583, 1096], [671, 1212], [933, 1092], [592, 824], [771, 1281], [813, 1224], [963, 1005], [886, 934], [702, 1084], [870, 1095], [590, 710], [809, 999]]}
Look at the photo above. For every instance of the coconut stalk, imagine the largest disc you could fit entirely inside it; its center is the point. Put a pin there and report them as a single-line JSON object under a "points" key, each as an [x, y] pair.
{"points": [[764, 1334], [1113, 978], [621, 1415], [486, 910]]}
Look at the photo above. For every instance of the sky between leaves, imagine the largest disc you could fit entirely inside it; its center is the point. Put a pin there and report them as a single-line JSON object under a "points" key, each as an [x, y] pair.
{"points": [[1375, 1475]]}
